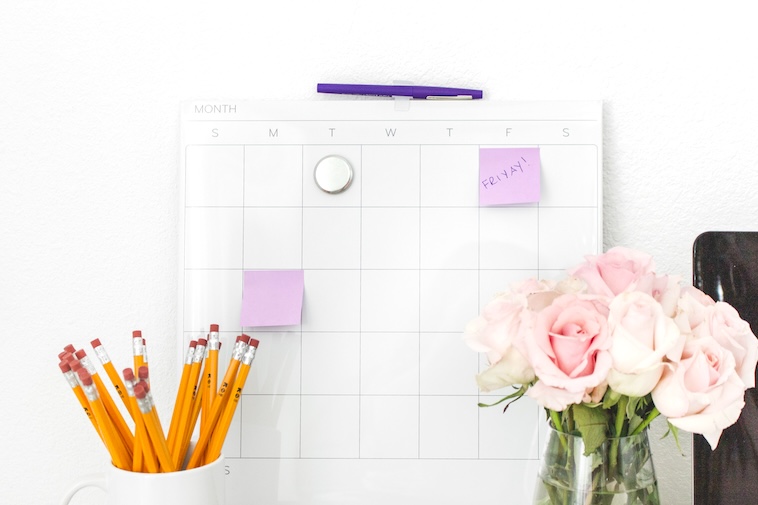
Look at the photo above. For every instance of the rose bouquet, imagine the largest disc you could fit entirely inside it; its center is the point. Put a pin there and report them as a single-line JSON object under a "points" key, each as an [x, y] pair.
{"points": [[614, 345]]}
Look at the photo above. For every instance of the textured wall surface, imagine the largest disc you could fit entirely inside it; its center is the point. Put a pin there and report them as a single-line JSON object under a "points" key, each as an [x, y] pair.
{"points": [[89, 104]]}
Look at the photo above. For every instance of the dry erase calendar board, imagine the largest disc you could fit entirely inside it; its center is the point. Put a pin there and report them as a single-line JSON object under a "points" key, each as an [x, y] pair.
{"points": [[370, 397]]}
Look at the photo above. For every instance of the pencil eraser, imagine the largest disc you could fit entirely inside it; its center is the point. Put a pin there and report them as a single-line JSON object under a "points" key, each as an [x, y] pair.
{"points": [[96, 343], [245, 338], [64, 366], [136, 334], [63, 355], [254, 342], [70, 348], [139, 391], [80, 353], [144, 385], [128, 374], [214, 327], [202, 341], [75, 365], [84, 376], [143, 372]]}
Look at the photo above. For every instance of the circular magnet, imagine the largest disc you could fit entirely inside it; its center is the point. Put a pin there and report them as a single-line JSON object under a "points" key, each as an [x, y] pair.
{"points": [[333, 174]]}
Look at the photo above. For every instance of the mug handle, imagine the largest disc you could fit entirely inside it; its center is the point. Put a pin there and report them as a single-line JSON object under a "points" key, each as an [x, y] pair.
{"points": [[93, 480]]}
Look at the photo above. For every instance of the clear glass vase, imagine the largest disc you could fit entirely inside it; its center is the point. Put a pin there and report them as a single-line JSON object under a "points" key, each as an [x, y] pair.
{"points": [[619, 472]]}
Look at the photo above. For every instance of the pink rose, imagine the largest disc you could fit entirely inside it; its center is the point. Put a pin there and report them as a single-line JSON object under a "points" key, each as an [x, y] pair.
{"points": [[613, 272], [692, 309], [734, 334], [540, 294], [665, 289], [703, 317], [494, 332], [642, 336], [568, 349], [553, 398], [702, 393]]}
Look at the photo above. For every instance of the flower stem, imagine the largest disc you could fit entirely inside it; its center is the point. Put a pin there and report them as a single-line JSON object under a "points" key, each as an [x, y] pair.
{"points": [[620, 416], [556, 418], [618, 428], [649, 419]]}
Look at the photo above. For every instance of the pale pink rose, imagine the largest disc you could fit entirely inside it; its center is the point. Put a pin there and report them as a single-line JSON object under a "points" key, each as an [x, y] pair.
{"points": [[513, 368], [703, 317], [568, 345], [734, 334], [495, 329], [698, 295], [665, 289], [613, 272], [541, 294], [554, 398], [642, 337], [692, 311], [494, 332], [702, 393]]}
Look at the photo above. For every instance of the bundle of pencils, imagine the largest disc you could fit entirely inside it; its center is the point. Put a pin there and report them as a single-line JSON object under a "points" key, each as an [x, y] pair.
{"points": [[147, 447]]}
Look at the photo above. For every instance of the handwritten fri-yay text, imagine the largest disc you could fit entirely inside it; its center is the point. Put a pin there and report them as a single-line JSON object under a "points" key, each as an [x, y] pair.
{"points": [[503, 175]]}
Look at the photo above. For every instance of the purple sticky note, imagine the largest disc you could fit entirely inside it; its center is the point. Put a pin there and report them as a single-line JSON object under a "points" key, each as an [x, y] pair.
{"points": [[272, 297], [509, 175]]}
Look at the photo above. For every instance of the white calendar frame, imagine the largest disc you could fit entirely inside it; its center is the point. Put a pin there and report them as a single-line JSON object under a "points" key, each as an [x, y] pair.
{"points": [[372, 398]]}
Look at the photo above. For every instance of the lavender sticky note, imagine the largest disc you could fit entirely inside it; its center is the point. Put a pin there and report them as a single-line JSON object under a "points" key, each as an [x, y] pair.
{"points": [[272, 297], [509, 175]]}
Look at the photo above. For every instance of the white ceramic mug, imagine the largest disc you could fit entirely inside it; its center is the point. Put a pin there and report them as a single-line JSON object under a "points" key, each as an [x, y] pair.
{"points": [[200, 486]]}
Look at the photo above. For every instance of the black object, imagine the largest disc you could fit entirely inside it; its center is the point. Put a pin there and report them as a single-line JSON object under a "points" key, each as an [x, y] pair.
{"points": [[725, 266]]}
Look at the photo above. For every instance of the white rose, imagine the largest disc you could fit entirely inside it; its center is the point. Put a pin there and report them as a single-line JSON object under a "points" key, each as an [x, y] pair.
{"points": [[642, 336], [513, 368], [496, 332]]}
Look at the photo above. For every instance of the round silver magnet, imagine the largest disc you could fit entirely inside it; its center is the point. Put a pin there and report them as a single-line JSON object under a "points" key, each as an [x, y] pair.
{"points": [[333, 174]]}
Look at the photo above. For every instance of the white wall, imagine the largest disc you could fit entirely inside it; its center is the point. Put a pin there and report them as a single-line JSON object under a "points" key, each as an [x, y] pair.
{"points": [[89, 102]]}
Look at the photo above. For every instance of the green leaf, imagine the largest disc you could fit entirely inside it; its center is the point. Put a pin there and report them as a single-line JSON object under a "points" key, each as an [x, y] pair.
{"points": [[611, 398], [592, 424], [634, 422], [675, 432]]}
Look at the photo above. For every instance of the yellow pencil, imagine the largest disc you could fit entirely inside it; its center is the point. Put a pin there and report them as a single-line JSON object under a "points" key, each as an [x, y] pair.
{"points": [[180, 393], [198, 454], [105, 361], [122, 429], [211, 376], [189, 396], [138, 349], [144, 455], [144, 376], [153, 429], [77, 389], [197, 405], [107, 431], [222, 427]]}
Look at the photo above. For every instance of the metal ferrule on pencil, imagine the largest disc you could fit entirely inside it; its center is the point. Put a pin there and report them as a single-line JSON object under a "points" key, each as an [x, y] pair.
{"points": [[249, 355]]}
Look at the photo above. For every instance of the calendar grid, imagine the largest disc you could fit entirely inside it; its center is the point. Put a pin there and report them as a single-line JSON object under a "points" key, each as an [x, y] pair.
{"points": [[394, 267]]}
